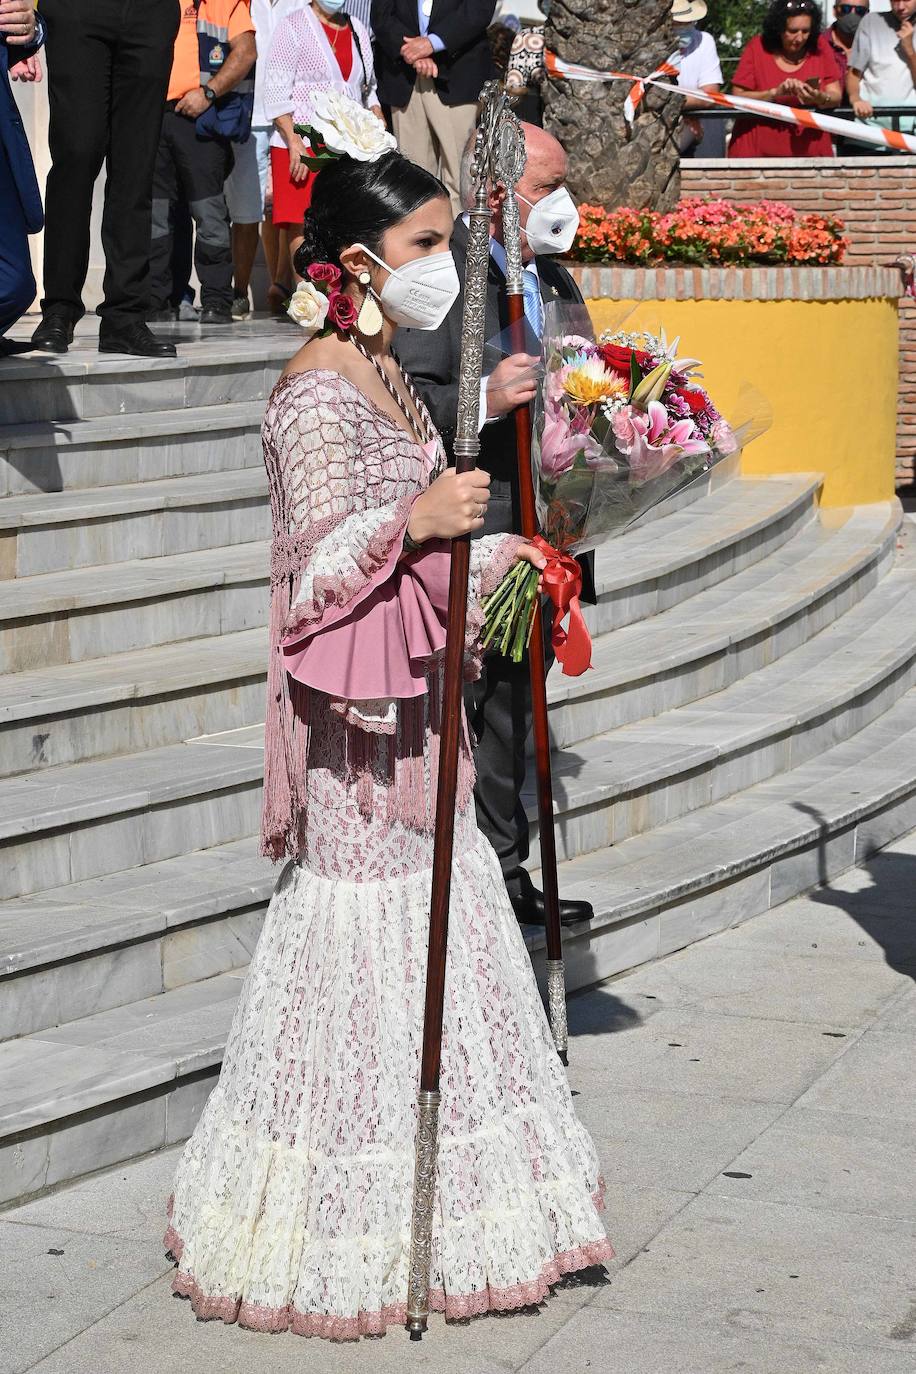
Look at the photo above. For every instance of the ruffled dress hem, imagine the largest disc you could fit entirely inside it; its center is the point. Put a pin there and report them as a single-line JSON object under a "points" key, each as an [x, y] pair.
{"points": [[455, 1306]]}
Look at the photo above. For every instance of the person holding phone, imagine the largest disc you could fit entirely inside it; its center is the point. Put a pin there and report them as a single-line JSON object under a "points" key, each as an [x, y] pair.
{"points": [[789, 62], [882, 63]]}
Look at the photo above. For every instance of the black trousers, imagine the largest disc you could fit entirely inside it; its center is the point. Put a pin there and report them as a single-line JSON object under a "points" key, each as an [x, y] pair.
{"points": [[498, 707], [108, 72], [193, 169]]}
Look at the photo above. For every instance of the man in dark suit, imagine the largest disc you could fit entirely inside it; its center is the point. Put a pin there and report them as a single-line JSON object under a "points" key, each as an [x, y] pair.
{"points": [[108, 69], [20, 200], [431, 59], [499, 703]]}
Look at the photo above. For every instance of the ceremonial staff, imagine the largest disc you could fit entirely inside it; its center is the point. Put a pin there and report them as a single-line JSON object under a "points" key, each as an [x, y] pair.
{"points": [[512, 142], [467, 447]]}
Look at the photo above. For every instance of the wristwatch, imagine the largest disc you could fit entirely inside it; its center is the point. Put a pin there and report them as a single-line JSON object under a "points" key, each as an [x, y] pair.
{"points": [[209, 93]]}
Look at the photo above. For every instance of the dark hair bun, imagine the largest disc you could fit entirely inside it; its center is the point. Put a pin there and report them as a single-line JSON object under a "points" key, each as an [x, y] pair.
{"points": [[356, 202]]}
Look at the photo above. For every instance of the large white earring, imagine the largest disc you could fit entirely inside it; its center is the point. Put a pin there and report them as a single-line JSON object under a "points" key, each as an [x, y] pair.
{"points": [[369, 320]]}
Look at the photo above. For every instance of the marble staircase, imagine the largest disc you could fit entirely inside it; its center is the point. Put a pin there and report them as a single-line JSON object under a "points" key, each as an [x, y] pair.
{"points": [[748, 730]]}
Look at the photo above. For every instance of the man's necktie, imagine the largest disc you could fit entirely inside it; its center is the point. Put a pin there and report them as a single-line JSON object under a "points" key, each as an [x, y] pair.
{"points": [[534, 306]]}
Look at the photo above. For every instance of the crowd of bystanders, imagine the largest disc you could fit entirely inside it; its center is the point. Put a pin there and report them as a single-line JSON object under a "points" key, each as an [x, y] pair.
{"points": [[192, 105]]}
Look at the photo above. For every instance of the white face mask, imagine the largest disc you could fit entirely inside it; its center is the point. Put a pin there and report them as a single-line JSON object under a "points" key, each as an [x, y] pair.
{"points": [[553, 223], [419, 294]]}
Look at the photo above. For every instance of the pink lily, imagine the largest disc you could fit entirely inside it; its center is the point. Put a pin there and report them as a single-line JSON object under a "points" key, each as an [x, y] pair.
{"points": [[656, 444], [561, 444]]}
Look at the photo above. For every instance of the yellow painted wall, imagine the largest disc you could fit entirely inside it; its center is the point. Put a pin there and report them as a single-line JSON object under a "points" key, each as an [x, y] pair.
{"points": [[827, 368]]}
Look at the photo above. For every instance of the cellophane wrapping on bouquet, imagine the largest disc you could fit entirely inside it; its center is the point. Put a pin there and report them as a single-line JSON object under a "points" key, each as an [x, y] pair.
{"points": [[621, 425]]}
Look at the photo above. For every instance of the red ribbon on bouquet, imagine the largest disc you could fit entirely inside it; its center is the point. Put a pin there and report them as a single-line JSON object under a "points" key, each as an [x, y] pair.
{"points": [[562, 581]]}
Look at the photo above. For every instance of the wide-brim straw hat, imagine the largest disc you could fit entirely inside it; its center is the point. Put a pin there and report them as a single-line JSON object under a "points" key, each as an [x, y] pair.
{"points": [[688, 11]]}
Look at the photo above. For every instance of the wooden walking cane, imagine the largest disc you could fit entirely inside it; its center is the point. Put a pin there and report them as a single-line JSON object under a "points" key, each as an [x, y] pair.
{"points": [[512, 242], [467, 447]]}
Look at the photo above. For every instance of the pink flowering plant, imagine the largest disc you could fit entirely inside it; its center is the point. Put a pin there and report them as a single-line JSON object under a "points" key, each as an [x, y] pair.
{"points": [[621, 425]]}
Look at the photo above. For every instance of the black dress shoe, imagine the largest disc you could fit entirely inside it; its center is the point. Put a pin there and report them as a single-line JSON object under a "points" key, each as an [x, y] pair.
{"points": [[211, 316], [54, 334], [135, 339], [530, 910]]}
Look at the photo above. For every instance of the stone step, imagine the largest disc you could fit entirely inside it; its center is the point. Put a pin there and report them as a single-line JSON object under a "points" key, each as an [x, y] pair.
{"points": [[67, 824], [143, 699], [661, 563], [194, 915], [99, 817], [59, 714], [61, 455], [719, 866], [84, 384], [127, 1080], [50, 532], [639, 776], [89, 613], [733, 627]]}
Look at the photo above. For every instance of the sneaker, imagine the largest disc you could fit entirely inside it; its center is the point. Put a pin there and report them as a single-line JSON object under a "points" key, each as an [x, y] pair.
{"points": [[241, 307], [188, 312], [210, 315]]}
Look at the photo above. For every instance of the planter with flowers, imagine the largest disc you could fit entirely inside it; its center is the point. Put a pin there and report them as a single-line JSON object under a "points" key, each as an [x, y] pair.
{"points": [[761, 293]]}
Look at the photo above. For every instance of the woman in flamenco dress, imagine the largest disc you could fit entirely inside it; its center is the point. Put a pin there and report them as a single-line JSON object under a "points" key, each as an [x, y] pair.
{"points": [[292, 1200]]}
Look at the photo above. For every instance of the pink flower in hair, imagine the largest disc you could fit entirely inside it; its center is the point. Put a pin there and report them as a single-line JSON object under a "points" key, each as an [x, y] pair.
{"points": [[324, 272]]}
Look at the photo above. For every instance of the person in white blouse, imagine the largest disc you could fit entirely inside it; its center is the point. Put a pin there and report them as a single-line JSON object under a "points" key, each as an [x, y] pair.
{"points": [[246, 187], [316, 47], [697, 60]]}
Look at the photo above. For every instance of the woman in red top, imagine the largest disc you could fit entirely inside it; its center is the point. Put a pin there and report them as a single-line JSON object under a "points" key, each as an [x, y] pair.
{"points": [[315, 47], [790, 63]]}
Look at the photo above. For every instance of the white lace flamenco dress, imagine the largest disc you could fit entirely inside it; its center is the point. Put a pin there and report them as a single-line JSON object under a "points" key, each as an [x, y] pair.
{"points": [[292, 1199]]}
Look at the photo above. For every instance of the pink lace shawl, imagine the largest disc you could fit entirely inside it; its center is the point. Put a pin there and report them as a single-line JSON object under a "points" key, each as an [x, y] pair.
{"points": [[343, 477]]}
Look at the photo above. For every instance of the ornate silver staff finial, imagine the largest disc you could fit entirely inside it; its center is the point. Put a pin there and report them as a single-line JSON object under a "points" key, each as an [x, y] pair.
{"points": [[510, 160]]}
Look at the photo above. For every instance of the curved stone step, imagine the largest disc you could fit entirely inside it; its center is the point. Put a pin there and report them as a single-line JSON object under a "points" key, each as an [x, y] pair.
{"points": [[44, 532], [84, 384], [138, 700], [732, 628], [637, 777], [68, 617], [718, 866], [99, 817], [659, 564], [130, 1079], [735, 526], [194, 915], [59, 455]]}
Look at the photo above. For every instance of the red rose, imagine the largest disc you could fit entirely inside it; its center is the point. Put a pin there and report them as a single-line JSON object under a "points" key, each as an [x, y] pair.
{"points": [[342, 310], [618, 358], [324, 271]]}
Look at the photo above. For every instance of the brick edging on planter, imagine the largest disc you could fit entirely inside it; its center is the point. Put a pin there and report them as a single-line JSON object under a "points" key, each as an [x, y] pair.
{"points": [[736, 283]]}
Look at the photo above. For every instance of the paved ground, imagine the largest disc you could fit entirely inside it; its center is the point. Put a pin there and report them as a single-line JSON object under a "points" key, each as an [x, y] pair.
{"points": [[754, 1102]]}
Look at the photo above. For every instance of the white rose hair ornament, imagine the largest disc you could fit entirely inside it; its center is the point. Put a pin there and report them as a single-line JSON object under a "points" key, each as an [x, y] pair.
{"points": [[339, 128]]}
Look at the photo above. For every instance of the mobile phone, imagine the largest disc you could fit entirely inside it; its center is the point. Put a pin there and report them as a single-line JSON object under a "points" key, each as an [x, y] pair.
{"points": [[813, 81]]}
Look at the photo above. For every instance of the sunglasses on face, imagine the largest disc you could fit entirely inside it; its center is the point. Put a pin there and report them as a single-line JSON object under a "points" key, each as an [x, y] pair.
{"points": [[852, 9], [801, 7]]}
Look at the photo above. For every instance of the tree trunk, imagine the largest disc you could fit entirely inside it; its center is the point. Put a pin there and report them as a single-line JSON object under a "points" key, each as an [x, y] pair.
{"points": [[608, 164]]}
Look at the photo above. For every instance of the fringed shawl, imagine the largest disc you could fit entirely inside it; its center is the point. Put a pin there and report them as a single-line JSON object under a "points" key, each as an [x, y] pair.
{"points": [[343, 477]]}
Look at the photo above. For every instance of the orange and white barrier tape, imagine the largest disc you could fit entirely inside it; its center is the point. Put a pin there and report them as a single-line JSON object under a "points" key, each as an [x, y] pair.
{"points": [[786, 114]]}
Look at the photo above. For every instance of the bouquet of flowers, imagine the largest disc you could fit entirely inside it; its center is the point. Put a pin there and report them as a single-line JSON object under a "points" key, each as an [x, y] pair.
{"points": [[620, 426]]}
